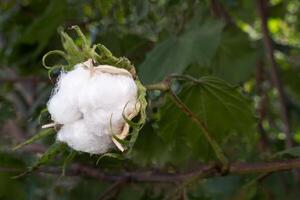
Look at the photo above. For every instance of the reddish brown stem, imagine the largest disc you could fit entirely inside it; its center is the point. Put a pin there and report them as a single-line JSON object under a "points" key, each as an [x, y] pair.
{"points": [[262, 11], [262, 104], [235, 168]]}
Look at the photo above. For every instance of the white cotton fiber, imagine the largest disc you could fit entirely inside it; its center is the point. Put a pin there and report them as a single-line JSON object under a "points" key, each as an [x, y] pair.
{"points": [[78, 136], [63, 105], [104, 122], [89, 101], [63, 113], [106, 91]]}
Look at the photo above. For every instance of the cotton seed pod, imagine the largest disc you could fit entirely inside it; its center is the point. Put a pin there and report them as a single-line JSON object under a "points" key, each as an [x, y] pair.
{"points": [[89, 102]]}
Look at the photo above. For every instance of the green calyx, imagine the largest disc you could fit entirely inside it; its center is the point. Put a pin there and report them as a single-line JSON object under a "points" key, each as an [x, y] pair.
{"points": [[77, 53]]}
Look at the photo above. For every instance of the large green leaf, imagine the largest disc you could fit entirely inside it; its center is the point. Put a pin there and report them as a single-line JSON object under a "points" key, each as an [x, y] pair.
{"points": [[149, 148], [236, 58], [294, 151], [228, 115], [197, 44], [219, 188]]}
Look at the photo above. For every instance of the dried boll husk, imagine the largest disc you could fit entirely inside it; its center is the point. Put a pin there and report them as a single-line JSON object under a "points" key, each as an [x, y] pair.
{"points": [[89, 102]]}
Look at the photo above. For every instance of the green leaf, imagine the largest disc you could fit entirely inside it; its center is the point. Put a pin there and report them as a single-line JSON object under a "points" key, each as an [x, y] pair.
{"points": [[149, 148], [38, 136], [48, 156], [218, 188], [294, 151], [236, 58], [228, 115], [198, 44]]}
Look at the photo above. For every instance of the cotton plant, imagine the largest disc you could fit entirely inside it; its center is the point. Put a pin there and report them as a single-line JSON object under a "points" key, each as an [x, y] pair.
{"points": [[92, 106]]}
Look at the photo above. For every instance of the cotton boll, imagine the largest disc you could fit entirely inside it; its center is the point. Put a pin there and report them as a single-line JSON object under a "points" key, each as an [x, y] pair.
{"points": [[112, 121], [97, 120], [78, 136], [62, 109], [63, 105], [73, 80], [107, 91], [89, 102], [103, 122]]}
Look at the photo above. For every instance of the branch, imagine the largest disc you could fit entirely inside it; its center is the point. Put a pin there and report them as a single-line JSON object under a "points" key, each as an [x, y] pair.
{"points": [[162, 86], [220, 12], [236, 168], [262, 104], [262, 9]]}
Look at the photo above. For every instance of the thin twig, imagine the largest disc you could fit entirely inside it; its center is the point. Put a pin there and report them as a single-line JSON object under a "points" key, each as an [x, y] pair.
{"points": [[262, 104], [220, 12], [262, 11], [162, 86]]}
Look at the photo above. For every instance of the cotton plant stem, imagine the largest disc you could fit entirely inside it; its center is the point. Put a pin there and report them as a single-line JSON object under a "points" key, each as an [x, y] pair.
{"points": [[262, 105], [236, 168], [161, 86], [219, 11], [217, 149], [269, 50]]}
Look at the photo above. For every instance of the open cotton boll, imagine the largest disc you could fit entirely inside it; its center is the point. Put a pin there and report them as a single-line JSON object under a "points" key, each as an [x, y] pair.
{"points": [[78, 136], [107, 91], [63, 105], [74, 79], [62, 109], [104, 122], [89, 102], [98, 120]]}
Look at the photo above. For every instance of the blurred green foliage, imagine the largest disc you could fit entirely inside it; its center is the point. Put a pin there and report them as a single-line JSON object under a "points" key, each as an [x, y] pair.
{"points": [[160, 37]]}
